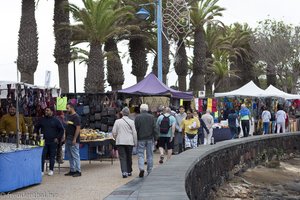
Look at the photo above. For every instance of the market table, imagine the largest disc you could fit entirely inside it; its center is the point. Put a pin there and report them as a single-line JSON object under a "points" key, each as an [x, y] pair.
{"points": [[219, 134], [20, 168], [97, 149]]}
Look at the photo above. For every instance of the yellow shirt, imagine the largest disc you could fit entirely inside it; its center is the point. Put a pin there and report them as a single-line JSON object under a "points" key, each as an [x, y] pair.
{"points": [[187, 123], [9, 124]]}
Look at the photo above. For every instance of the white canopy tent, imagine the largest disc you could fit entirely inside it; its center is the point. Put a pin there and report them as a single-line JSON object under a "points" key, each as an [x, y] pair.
{"points": [[250, 90], [275, 92]]}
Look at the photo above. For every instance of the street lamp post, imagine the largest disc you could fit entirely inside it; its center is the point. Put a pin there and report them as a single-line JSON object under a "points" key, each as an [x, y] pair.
{"points": [[144, 14], [74, 57]]}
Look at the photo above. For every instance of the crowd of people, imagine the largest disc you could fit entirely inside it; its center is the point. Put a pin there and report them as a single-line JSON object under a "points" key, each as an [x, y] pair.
{"points": [[168, 131]]}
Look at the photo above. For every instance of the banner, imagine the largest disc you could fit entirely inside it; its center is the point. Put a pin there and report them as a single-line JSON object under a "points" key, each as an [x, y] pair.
{"points": [[61, 103]]}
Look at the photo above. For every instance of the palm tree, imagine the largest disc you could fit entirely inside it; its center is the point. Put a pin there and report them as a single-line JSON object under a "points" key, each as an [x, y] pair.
{"points": [[62, 42], [97, 22], [240, 54], [27, 60], [115, 73], [202, 12]]}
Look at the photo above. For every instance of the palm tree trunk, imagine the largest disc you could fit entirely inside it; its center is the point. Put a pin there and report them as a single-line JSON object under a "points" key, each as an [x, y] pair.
{"points": [[94, 81], [115, 73], [137, 52], [197, 79], [181, 65], [27, 60], [62, 52]]}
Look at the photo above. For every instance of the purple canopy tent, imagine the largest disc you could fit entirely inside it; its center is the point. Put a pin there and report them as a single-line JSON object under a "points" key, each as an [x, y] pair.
{"points": [[150, 85]]}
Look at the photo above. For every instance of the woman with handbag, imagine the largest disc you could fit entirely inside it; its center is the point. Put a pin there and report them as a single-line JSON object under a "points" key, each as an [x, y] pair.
{"points": [[125, 135]]}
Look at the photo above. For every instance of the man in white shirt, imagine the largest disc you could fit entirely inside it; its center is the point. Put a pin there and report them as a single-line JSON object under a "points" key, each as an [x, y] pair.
{"points": [[178, 140], [266, 116], [209, 122]]}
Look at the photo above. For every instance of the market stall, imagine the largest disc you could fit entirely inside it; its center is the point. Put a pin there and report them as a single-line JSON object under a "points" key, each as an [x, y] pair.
{"points": [[19, 167], [95, 145]]}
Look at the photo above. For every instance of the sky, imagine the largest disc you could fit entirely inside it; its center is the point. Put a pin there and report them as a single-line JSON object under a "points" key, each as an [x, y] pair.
{"points": [[242, 11]]}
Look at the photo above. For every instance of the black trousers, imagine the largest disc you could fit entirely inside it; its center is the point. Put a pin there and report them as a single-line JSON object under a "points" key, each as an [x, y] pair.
{"points": [[49, 149], [245, 127], [125, 156]]}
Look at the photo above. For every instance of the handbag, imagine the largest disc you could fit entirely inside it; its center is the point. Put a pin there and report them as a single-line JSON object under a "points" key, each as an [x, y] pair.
{"points": [[104, 127], [97, 116], [111, 111], [92, 118], [98, 125], [190, 136], [86, 110]]}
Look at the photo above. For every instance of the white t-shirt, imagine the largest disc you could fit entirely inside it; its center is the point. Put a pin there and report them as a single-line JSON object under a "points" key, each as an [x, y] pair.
{"points": [[280, 116], [266, 116]]}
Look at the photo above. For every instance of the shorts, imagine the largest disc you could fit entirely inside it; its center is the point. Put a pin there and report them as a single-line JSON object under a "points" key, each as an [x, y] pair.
{"points": [[163, 141]]}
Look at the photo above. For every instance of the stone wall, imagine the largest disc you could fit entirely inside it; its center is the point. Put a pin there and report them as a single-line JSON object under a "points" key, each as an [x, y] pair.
{"points": [[215, 165]]}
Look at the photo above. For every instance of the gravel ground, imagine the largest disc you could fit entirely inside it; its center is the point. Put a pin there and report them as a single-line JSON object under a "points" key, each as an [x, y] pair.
{"points": [[98, 180]]}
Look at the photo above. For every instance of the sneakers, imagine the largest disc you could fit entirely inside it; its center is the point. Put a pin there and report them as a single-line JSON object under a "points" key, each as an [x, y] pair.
{"points": [[141, 175], [77, 174], [70, 173], [124, 174], [50, 173], [129, 174], [161, 160]]}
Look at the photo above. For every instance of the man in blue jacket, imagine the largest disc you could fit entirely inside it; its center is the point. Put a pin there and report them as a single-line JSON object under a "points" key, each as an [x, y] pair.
{"points": [[52, 131]]}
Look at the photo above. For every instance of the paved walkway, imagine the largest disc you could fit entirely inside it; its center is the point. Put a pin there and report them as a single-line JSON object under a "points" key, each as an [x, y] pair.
{"points": [[98, 180]]}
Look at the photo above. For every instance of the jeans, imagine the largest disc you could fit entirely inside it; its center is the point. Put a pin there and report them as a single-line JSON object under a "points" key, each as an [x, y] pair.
{"points": [[142, 146], [245, 127], [178, 140], [234, 131], [125, 156], [266, 127], [50, 149], [73, 155]]}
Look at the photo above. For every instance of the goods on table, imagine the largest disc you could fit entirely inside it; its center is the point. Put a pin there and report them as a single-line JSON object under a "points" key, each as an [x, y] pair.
{"points": [[10, 147], [91, 134]]}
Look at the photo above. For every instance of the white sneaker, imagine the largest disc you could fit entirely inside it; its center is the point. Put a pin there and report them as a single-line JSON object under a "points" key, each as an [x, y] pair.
{"points": [[50, 173], [42, 173]]}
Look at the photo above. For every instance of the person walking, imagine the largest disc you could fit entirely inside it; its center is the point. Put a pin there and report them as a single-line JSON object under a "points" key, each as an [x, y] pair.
{"points": [[72, 137], [190, 125], [209, 122], [245, 117], [166, 123], [280, 119], [52, 131], [178, 139], [125, 135], [266, 117], [233, 123], [146, 135]]}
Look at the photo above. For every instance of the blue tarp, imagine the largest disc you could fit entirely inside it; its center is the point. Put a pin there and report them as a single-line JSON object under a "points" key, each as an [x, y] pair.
{"points": [[20, 169]]}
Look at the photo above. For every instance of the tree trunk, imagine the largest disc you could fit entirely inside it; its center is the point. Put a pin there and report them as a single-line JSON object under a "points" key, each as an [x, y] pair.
{"points": [[27, 60], [137, 52], [62, 51], [197, 80], [181, 83], [27, 77], [94, 81], [181, 65], [63, 71], [115, 73], [271, 75]]}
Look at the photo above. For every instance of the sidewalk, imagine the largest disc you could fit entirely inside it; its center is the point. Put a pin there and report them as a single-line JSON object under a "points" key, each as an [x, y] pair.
{"points": [[98, 180]]}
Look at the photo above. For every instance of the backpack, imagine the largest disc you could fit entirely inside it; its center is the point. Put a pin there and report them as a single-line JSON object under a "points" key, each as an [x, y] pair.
{"points": [[165, 125]]}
